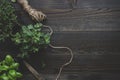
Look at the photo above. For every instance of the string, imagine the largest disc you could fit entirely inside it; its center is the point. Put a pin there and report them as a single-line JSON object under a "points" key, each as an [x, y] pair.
{"points": [[71, 53]]}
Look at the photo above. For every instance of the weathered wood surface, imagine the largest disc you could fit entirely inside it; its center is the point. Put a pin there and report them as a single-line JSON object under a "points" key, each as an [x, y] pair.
{"points": [[91, 29]]}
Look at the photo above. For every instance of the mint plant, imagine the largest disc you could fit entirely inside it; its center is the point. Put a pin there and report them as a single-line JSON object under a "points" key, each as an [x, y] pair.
{"points": [[7, 19], [31, 38], [8, 69]]}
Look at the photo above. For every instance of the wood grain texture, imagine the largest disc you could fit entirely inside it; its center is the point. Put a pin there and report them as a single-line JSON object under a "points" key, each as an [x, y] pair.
{"points": [[96, 56], [81, 76], [96, 19], [80, 4], [90, 28], [86, 20]]}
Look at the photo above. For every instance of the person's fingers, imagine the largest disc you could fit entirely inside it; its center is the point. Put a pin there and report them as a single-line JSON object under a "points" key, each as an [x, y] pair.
{"points": [[43, 16]]}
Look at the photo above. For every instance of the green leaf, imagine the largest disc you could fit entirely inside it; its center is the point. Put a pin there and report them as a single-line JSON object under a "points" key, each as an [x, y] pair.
{"points": [[14, 66], [18, 74], [4, 68], [9, 59], [30, 27], [26, 31], [47, 38], [4, 77], [18, 41], [2, 62], [12, 73], [38, 25], [11, 78], [8, 71]]}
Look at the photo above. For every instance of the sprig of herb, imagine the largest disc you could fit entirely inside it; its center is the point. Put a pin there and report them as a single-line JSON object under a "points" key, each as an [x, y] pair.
{"points": [[31, 38], [8, 69]]}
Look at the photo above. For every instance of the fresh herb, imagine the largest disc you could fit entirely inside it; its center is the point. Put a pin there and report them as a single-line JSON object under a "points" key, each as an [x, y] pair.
{"points": [[31, 38], [8, 69], [7, 19], [13, 1]]}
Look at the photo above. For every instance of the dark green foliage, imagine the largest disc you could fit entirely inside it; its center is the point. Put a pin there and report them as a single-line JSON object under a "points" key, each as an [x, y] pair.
{"points": [[7, 19], [31, 38], [8, 69]]}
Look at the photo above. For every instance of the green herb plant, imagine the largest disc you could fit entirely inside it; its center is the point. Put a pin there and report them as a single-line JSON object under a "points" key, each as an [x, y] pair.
{"points": [[7, 19], [31, 38], [13, 1], [8, 69]]}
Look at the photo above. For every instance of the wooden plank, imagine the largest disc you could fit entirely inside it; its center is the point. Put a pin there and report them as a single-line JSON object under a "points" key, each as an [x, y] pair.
{"points": [[93, 51], [99, 17], [91, 29], [80, 76], [98, 4], [93, 63], [49, 4], [85, 20], [81, 20], [59, 4], [88, 39]]}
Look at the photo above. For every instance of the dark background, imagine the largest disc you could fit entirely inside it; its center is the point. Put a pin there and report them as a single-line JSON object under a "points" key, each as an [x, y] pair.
{"points": [[91, 28]]}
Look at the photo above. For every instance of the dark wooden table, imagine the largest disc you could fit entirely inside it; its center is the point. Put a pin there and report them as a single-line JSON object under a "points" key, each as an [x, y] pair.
{"points": [[91, 28]]}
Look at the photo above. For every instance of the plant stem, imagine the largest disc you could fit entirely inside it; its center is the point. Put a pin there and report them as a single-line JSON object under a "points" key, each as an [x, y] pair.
{"points": [[33, 71]]}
